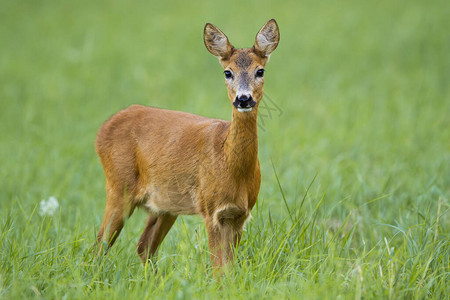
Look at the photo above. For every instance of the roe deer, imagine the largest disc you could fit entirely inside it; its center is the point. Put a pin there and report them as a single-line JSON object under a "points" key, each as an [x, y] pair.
{"points": [[173, 163]]}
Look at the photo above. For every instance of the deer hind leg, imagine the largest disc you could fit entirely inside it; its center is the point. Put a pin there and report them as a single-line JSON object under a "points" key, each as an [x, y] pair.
{"points": [[154, 233], [118, 208], [224, 233]]}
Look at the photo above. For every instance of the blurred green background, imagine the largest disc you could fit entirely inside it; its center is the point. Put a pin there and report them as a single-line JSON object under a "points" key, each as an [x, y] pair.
{"points": [[363, 89]]}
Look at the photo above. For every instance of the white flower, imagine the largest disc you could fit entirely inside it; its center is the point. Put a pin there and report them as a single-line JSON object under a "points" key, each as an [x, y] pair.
{"points": [[48, 207]]}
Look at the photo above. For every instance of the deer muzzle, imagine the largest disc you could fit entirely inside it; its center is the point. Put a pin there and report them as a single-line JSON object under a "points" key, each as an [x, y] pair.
{"points": [[244, 103]]}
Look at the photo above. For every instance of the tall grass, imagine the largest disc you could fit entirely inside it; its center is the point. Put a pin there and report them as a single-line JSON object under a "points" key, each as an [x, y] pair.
{"points": [[355, 157]]}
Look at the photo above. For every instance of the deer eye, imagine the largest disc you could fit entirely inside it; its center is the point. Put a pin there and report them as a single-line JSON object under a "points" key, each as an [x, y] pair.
{"points": [[260, 73], [228, 74]]}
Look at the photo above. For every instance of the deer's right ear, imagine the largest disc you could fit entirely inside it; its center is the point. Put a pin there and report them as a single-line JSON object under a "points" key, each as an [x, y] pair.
{"points": [[216, 42]]}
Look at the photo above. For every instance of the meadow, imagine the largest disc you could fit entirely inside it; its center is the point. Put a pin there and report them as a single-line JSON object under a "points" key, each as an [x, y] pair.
{"points": [[354, 145]]}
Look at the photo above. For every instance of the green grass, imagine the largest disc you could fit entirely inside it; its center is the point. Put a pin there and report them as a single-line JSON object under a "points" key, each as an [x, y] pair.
{"points": [[354, 201]]}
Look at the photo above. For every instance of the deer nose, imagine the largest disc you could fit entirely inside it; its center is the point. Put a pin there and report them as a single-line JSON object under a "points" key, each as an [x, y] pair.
{"points": [[244, 98], [244, 101]]}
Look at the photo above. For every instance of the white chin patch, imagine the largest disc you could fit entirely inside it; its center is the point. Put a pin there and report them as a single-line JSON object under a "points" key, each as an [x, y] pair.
{"points": [[245, 109]]}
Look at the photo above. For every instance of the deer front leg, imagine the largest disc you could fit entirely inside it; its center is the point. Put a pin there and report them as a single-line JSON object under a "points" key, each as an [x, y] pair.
{"points": [[224, 233]]}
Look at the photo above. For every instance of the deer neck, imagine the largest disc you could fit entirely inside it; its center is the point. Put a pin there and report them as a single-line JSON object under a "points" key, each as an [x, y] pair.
{"points": [[241, 144]]}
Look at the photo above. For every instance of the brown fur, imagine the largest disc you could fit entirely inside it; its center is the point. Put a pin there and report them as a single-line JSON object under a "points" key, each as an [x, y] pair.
{"points": [[174, 163]]}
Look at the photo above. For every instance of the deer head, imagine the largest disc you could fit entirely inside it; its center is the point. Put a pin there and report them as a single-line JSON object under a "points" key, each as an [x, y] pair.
{"points": [[243, 68]]}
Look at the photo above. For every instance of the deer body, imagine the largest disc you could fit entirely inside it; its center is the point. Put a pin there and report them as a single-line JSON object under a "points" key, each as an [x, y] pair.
{"points": [[174, 163]]}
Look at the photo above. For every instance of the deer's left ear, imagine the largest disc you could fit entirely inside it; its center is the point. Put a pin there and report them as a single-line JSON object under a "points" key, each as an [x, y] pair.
{"points": [[267, 38]]}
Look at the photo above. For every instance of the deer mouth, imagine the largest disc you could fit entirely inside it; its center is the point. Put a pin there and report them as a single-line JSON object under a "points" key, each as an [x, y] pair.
{"points": [[244, 106], [245, 109]]}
